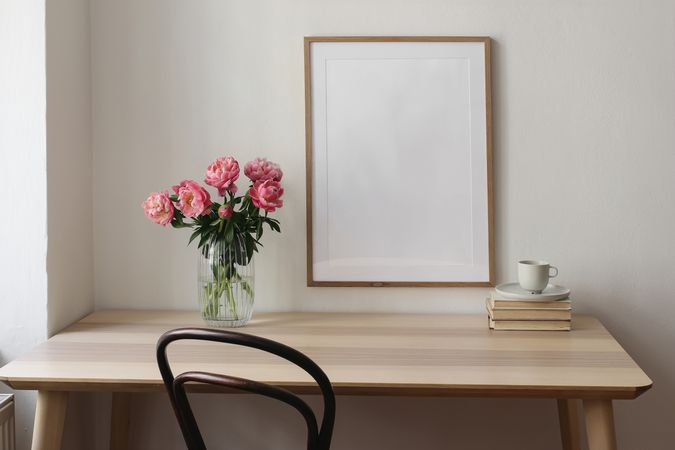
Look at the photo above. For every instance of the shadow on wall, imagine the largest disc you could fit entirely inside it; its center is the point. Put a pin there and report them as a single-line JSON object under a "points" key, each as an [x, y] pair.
{"points": [[363, 423]]}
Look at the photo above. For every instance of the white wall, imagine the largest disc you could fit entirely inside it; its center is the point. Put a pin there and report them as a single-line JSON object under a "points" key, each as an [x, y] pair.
{"points": [[23, 214], [70, 255], [584, 106]]}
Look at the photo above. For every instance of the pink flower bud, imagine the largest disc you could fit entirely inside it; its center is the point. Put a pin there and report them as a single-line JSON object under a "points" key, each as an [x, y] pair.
{"points": [[225, 212]]}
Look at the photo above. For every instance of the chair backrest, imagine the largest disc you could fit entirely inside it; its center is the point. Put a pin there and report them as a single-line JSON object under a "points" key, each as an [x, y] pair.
{"points": [[317, 438]]}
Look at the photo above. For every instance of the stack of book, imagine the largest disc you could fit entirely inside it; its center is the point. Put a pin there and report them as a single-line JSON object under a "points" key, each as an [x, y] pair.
{"points": [[525, 314]]}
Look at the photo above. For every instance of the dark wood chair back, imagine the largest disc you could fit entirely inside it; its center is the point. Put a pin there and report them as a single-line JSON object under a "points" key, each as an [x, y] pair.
{"points": [[318, 438]]}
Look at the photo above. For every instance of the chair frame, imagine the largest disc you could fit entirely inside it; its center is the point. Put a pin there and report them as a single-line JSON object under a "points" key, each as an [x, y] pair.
{"points": [[317, 438]]}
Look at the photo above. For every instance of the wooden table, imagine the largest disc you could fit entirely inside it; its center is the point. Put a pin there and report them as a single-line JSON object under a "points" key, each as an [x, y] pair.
{"points": [[363, 354]]}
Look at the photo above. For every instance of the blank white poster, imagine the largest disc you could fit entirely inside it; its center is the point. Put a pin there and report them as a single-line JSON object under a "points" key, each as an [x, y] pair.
{"points": [[399, 162]]}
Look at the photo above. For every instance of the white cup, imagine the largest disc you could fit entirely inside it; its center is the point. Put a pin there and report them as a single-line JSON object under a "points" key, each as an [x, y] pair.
{"points": [[533, 275]]}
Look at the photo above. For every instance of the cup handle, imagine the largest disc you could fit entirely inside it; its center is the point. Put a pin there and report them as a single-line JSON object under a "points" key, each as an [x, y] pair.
{"points": [[549, 272]]}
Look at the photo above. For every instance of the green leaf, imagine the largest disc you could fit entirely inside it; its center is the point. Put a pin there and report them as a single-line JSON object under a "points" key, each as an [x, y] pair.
{"points": [[256, 241], [180, 224], [193, 236], [177, 220], [203, 240], [229, 232], [274, 227], [250, 246]]}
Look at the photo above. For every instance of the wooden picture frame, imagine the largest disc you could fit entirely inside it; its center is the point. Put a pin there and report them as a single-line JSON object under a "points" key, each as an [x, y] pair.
{"points": [[443, 87]]}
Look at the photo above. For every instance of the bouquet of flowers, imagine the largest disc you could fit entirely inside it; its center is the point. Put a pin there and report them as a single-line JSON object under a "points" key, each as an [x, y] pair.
{"points": [[228, 231]]}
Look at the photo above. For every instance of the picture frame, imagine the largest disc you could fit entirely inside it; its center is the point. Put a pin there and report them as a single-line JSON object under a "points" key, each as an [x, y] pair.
{"points": [[399, 161]]}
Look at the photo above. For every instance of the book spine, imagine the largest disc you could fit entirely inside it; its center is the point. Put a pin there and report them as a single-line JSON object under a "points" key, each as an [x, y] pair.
{"points": [[517, 325], [560, 304], [527, 314]]}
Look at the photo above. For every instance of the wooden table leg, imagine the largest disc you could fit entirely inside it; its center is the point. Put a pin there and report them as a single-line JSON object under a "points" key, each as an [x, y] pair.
{"points": [[568, 415], [600, 424], [50, 415], [119, 421]]}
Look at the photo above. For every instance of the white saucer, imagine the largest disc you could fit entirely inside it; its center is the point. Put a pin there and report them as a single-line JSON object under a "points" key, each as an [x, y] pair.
{"points": [[515, 292]]}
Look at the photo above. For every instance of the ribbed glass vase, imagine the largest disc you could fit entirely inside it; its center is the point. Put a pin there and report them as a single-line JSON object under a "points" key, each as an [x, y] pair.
{"points": [[225, 282]]}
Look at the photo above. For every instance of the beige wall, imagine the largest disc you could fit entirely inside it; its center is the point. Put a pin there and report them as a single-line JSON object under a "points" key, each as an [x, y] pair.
{"points": [[584, 106]]}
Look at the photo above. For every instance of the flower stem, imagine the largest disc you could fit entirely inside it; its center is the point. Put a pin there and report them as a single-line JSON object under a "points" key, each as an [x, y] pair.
{"points": [[231, 300]]}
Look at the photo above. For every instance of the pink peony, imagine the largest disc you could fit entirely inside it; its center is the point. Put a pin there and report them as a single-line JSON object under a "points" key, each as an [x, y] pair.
{"points": [[222, 174], [225, 212], [193, 200], [260, 169], [158, 208], [267, 195]]}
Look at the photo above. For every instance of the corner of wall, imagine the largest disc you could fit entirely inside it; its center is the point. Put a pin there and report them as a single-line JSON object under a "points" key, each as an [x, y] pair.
{"points": [[69, 164]]}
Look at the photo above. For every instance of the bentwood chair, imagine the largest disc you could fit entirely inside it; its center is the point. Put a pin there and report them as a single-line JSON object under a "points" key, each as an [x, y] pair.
{"points": [[317, 438]]}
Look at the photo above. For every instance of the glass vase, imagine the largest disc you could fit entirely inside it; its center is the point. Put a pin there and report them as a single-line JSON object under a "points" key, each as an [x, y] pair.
{"points": [[225, 282]]}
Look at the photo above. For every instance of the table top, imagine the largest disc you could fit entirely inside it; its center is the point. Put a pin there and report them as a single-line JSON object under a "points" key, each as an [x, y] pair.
{"points": [[362, 354]]}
